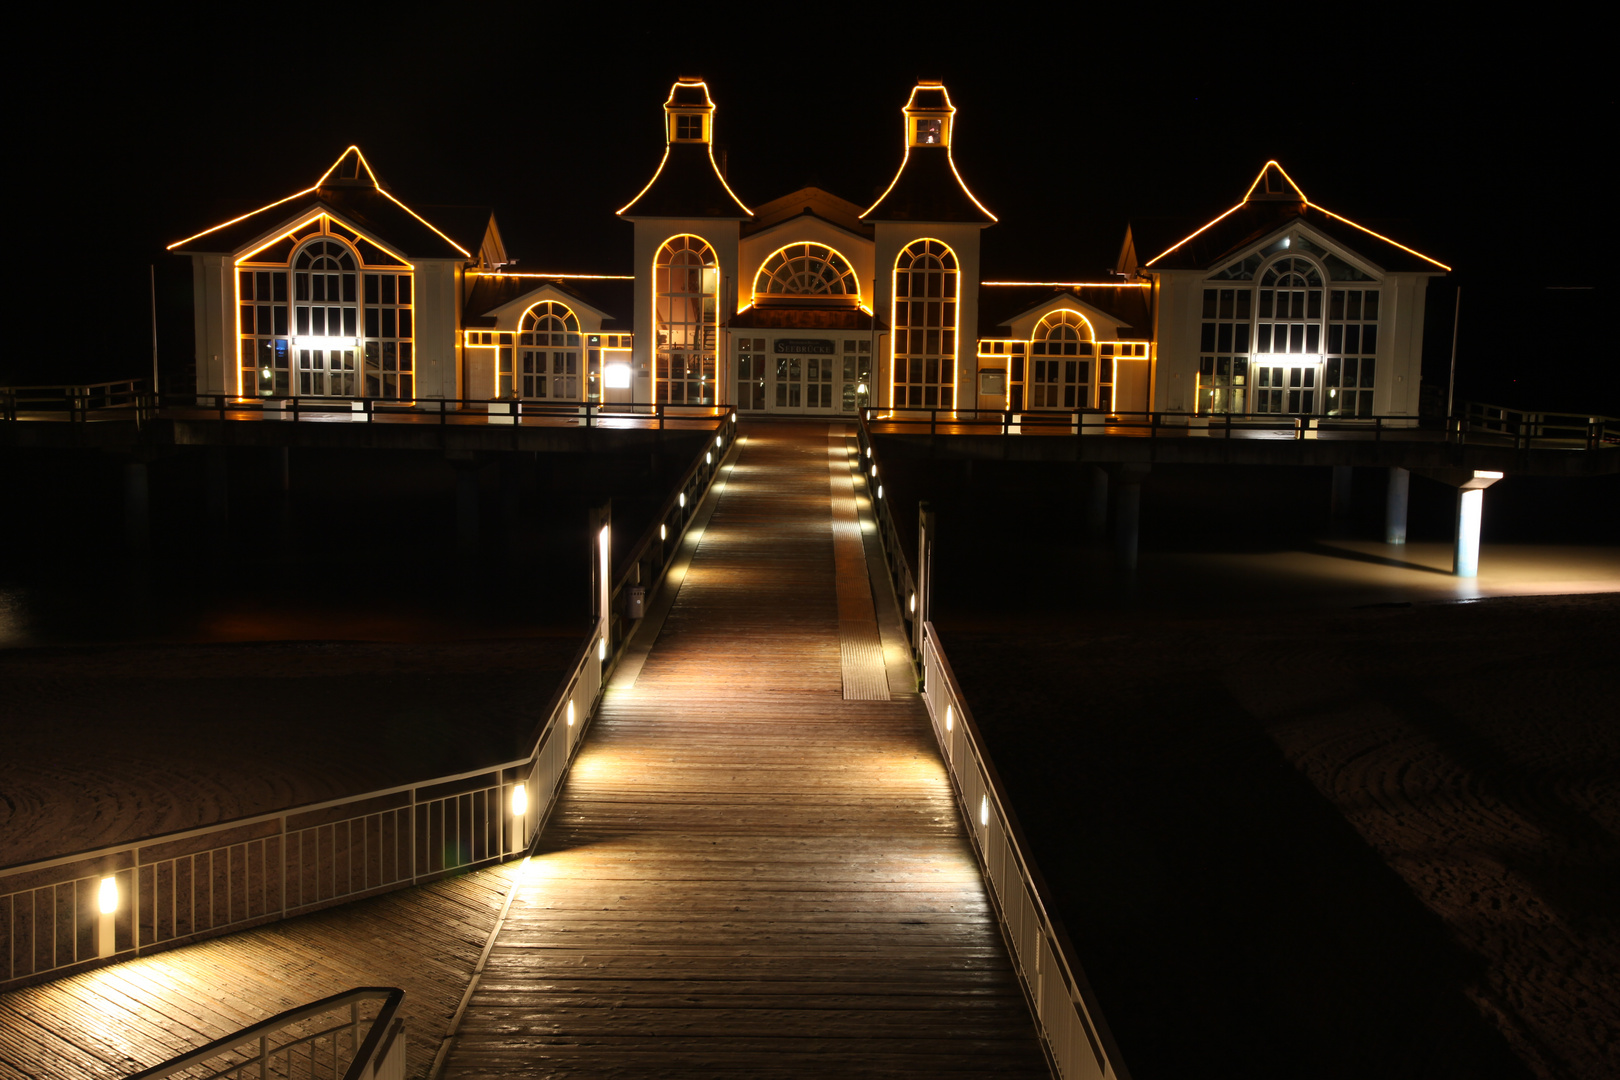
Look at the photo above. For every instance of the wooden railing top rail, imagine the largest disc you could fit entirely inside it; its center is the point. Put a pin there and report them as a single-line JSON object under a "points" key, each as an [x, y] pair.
{"points": [[391, 996]]}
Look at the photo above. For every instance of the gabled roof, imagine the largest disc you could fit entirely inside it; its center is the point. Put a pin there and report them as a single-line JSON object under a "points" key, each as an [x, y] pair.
{"points": [[687, 184], [1272, 202], [1003, 303], [840, 213], [612, 295], [928, 187], [350, 192]]}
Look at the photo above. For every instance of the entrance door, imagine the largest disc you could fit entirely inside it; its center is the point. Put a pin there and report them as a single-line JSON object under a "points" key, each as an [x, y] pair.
{"points": [[789, 383], [750, 382], [818, 377], [326, 372], [1285, 389], [1058, 384]]}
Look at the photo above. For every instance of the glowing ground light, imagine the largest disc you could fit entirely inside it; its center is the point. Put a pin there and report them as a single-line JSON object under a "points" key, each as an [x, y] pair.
{"points": [[108, 895], [520, 800]]}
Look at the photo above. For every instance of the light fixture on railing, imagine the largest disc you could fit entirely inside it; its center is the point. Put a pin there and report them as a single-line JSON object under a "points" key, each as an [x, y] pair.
{"points": [[708, 457], [107, 930], [107, 897], [717, 441], [880, 491], [913, 603], [520, 800], [874, 471], [663, 531], [601, 648], [949, 717], [868, 451], [984, 810], [683, 500], [570, 714]]}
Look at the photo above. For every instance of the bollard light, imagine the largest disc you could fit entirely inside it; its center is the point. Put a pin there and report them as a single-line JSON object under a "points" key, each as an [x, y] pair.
{"points": [[717, 441], [108, 896], [913, 603], [880, 491], [708, 457], [683, 500], [868, 451], [570, 714], [949, 716], [601, 648], [874, 472], [984, 810], [520, 800], [663, 532]]}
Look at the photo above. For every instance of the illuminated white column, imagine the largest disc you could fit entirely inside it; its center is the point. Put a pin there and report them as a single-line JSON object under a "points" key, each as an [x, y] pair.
{"points": [[1395, 500], [1470, 508]]}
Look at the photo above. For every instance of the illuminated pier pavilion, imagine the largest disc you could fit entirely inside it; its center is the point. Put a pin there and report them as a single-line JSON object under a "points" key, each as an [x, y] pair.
{"points": [[808, 304]]}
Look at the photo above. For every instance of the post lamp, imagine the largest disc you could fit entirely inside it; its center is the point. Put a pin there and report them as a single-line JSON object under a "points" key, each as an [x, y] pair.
{"points": [[107, 903]]}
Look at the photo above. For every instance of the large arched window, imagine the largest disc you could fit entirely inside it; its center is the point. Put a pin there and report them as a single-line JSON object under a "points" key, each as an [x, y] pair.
{"points": [[1061, 351], [686, 297], [806, 270], [326, 318], [548, 354], [1288, 337], [316, 300], [925, 307]]}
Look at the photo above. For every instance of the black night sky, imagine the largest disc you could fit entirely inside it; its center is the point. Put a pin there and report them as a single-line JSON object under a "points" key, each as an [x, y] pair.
{"points": [[1483, 146]]}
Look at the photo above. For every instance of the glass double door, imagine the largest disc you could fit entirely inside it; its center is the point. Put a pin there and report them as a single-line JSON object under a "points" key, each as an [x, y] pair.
{"points": [[805, 384], [1288, 389], [326, 373]]}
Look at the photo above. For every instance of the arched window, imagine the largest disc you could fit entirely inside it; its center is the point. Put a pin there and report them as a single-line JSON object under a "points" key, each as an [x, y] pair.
{"points": [[1288, 337], [686, 298], [315, 301], [806, 270], [1060, 362], [925, 306], [326, 318], [548, 347]]}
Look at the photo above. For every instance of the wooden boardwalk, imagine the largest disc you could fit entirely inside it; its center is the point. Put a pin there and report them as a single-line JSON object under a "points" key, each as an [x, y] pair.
{"points": [[749, 874], [756, 867]]}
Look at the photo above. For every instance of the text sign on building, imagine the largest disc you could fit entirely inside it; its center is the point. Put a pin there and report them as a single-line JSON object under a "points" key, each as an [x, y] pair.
{"points": [[802, 346]]}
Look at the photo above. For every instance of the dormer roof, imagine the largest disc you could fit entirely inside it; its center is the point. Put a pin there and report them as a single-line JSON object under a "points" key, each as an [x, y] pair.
{"points": [[687, 184], [1272, 203], [350, 191], [928, 188]]}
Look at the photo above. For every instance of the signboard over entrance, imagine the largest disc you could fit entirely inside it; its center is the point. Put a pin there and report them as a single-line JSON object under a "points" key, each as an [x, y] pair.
{"points": [[804, 346]]}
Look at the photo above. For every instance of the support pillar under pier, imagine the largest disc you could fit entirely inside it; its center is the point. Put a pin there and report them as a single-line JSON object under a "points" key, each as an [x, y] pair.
{"points": [[1395, 500], [1127, 514], [1096, 503], [137, 512], [1339, 510], [1470, 511]]}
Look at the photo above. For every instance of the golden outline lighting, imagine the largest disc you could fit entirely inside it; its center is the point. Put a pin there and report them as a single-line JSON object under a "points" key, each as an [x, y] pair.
{"points": [[950, 137], [1306, 201], [708, 141]]}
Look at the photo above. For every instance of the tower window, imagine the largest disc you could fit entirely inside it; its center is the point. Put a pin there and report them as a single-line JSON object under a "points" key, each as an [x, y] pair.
{"points": [[930, 131], [689, 127]]}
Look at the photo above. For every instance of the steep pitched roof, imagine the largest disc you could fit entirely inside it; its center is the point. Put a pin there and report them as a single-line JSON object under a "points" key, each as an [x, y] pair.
{"points": [[350, 192], [687, 184], [1271, 202], [928, 187]]}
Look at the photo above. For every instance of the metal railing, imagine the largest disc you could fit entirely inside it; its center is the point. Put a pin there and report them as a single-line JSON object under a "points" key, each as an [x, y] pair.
{"points": [[1066, 1014], [1065, 1010], [1475, 425], [329, 1039], [179, 887], [133, 399]]}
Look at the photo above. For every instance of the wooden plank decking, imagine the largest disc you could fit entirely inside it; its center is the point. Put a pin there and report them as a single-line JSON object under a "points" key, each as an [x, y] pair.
{"points": [[756, 867], [749, 874]]}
